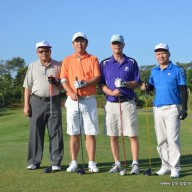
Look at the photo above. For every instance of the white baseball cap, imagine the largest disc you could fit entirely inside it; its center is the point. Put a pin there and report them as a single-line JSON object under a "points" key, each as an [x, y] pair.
{"points": [[42, 44], [161, 46], [118, 38], [79, 34]]}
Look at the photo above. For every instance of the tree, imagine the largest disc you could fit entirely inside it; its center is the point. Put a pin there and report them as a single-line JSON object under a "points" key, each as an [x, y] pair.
{"points": [[18, 84], [12, 66], [11, 80]]}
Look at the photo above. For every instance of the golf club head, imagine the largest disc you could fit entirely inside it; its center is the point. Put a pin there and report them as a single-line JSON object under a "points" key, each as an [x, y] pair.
{"points": [[148, 172], [122, 172], [81, 171], [48, 170]]}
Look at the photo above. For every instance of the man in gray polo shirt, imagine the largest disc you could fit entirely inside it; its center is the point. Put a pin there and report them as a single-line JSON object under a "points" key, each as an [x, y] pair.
{"points": [[40, 77]]}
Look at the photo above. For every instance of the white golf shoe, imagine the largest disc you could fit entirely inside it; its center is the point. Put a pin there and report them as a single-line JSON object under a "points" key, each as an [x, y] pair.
{"points": [[134, 169], [31, 167], [116, 168], [175, 173], [72, 167], [163, 171], [56, 168], [93, 167]]}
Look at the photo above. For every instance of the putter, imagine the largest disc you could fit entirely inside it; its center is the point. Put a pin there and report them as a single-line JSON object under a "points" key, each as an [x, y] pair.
{"points": [[148, 172], [49, 169], [82, 169], [123, 170]]}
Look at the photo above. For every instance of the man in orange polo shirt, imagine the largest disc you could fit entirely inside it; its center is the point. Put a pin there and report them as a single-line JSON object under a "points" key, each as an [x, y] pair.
{"points": [[79, 75]]}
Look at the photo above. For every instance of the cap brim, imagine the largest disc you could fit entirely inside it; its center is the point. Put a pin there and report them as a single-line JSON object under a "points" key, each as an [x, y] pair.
{"points": [[44, 47], [160, 49]]}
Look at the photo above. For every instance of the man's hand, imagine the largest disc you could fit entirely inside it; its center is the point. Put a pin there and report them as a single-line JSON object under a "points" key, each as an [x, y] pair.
{"points": [[53, 81], [183, 114], [79, 84], [119, 83]]}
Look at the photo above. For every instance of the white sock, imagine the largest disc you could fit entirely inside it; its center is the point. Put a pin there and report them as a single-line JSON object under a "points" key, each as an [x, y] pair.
{"points": [[74, 162], [117, 162], [91, 162], [135, 162]]}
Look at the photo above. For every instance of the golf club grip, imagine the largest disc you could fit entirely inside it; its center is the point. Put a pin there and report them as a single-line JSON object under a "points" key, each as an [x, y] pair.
{"points": [[76, 79], [51, 90]]}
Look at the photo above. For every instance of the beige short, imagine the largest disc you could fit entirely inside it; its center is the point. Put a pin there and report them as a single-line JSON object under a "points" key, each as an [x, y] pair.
{"points": [[129, 119]]}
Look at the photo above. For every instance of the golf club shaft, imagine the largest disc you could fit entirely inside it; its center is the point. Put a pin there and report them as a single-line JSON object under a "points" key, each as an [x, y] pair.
{"points": [[147, 123], [81, 142], [51, 113], [122, 134]]}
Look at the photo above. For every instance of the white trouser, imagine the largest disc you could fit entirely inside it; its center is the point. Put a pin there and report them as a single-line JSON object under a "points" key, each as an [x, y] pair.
{"points": [[167, 127]]}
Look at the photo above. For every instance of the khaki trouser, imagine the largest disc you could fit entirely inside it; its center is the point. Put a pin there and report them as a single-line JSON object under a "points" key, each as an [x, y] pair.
{"points": [[167, 127]]}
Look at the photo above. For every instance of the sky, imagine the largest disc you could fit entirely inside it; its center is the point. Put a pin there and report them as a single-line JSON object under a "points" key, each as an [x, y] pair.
{"points": [[143, 24]]}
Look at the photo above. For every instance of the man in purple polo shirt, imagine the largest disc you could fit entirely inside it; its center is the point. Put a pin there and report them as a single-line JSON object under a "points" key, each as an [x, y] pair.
{"points": [[120, 76]]}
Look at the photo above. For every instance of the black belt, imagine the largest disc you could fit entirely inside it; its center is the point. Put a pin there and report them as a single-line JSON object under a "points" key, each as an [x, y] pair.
{"points": [[122, 100], [45, 98]]}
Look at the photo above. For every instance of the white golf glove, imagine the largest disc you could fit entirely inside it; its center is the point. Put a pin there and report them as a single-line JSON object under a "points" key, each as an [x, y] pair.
{"points": [[79, 84], [119, 83]]}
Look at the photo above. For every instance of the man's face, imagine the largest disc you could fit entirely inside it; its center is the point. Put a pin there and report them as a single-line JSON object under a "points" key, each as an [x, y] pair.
{"points": [[44, 53], [80, 45], [117, 47], [162, 57]]}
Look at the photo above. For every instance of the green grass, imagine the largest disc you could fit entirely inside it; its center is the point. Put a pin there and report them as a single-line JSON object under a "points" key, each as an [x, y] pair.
{"points": [[15, 178]]}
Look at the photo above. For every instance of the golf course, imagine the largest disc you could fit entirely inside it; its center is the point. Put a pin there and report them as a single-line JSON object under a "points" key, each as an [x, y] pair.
{"points": [[15, 177]]}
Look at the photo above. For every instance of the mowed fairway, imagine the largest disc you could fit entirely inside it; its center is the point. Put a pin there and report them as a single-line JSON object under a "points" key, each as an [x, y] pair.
{"points": [[13, 161]]}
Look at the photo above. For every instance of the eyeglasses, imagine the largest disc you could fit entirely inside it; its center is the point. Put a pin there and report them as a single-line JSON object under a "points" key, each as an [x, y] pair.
{"points": [[44, 51]]}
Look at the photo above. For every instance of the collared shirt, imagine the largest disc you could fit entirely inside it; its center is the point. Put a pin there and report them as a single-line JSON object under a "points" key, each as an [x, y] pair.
{"points": [[127, 71], [36, 78], [84, 68], [166, 83]]}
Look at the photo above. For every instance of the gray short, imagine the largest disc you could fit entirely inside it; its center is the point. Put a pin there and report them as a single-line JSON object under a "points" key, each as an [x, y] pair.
{"points": [[129, 119]]}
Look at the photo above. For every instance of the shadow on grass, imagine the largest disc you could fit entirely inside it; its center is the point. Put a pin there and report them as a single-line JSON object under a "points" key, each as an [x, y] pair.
{"points": [[6, 111], [186, 164]]}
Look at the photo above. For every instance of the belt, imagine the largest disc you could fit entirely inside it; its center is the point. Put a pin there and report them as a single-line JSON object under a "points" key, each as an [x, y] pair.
{"points": [[122, 100], [86, 97], [167, 107], [45, 98]]}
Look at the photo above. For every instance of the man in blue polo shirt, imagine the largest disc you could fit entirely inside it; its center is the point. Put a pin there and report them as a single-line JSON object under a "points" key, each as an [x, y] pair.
{"points": [[120, 76], [169, 82]]}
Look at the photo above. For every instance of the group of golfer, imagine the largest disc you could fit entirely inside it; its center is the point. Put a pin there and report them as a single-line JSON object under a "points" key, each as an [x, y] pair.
{"points": [[117, 76]]}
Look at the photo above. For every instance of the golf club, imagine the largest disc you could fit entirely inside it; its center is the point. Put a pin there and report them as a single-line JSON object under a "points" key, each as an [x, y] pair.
{"points": [[123, 171], [49, 169], [148, 172], [82, 169]]}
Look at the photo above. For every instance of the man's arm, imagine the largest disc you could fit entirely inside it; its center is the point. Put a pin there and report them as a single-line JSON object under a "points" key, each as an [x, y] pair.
{"points": [[93, 81], [184, 99], [27, 109], [69, 90], [108, 91]]}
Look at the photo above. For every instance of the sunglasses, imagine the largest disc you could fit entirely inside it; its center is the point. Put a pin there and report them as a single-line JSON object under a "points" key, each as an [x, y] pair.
{"points": [[44, 51]]}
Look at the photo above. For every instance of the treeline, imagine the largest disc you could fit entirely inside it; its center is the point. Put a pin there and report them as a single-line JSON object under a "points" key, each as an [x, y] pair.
{"points": [[12, 73]]}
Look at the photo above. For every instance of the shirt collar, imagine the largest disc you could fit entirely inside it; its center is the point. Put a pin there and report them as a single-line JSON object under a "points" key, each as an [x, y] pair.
{"points": [[113, 59], [82, 57], [168, 67]]}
